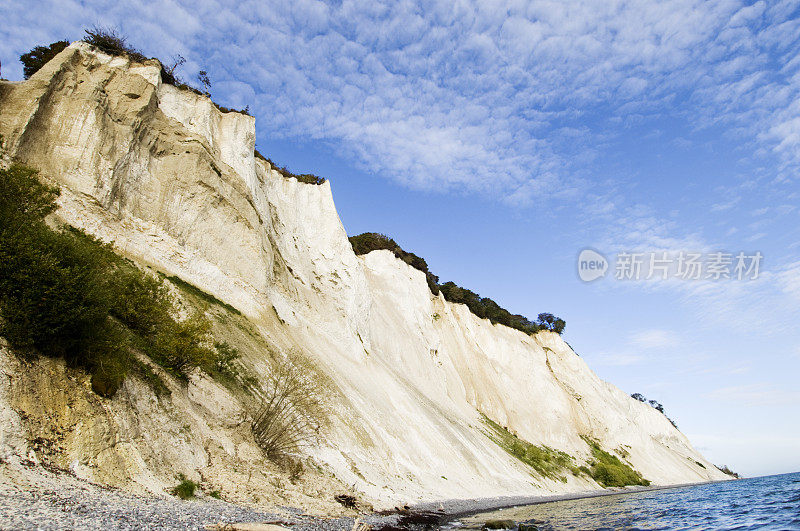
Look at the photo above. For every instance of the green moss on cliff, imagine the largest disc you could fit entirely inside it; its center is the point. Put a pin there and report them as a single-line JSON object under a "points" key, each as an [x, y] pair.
{"points": [[546, 461], [608, 470]]}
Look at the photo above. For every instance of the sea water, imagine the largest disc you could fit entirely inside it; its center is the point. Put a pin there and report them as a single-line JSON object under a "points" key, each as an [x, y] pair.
{"points": [[769, 502]]}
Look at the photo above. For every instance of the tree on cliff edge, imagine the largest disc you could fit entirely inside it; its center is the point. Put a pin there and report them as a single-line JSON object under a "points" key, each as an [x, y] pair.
{"points": [[39, 56], [550, 322]]}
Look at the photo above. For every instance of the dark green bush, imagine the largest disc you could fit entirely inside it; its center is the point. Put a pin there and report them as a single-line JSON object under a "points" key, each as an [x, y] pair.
{"points": [[483, 307], [245, 111], [726, 470], [110, 360], [184, 345], [51, 282], [144, 304], [307, 178], [310, 178], [35, 59], [23, 199], [185, 489], [486, 308], [548, 321], [65, 294], [373, 241]]}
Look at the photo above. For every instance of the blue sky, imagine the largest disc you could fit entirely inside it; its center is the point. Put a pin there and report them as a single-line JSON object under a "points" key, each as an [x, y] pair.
{"points": [[498, 139]]}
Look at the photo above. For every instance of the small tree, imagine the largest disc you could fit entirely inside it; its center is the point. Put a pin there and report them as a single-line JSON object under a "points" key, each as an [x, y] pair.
{"points": [[548, 321], [35, 59], [168, 72], [204, 80], [655, 405], [184, 345]]}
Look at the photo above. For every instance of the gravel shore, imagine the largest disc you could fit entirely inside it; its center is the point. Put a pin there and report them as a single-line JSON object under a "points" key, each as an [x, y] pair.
{"points": [[33, 497], [36, 498]]}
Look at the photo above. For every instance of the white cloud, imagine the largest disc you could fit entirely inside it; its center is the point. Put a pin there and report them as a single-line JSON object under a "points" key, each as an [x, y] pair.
{"points": [[795, 353], [788, 279], [654, 339], [719, 207], [755, 395], [617, 359]]}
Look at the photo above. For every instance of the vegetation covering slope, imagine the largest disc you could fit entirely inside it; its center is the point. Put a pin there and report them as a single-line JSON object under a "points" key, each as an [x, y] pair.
{"points": [[608, 470], [483, 307], [66, 294], [546, 461]]}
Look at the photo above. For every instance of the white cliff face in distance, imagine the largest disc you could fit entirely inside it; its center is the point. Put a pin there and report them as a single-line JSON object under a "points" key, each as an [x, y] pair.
{"points": [[174, 183]]}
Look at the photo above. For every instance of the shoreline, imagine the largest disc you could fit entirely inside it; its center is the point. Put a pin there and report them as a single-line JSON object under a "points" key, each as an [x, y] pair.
{"points": [[449, 510], [37, 496]]}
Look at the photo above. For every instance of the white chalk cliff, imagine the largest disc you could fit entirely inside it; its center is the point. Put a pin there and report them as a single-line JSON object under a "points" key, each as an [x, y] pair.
{"points": [[174, 183]]}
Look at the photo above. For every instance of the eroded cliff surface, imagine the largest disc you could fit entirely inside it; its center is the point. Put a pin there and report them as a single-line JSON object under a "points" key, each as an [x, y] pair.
{"points": [[174, 183]]}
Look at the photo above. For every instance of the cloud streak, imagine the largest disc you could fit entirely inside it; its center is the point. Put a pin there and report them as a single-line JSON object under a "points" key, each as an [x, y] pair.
{"points": [[488, 98]]}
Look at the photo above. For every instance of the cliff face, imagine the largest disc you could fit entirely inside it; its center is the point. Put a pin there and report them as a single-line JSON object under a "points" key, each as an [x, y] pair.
{"points": [[173, 182]]}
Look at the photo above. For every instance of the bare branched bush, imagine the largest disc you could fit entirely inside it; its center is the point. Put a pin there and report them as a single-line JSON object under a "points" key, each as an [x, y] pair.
{"points": [[112, 42], [291, 412]]}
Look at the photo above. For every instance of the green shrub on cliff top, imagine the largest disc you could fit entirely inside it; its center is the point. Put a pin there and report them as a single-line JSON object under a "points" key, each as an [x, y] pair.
{"points": [[373, 241], [35, 59], [65, 294], [307, 178], [483, 307]]}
